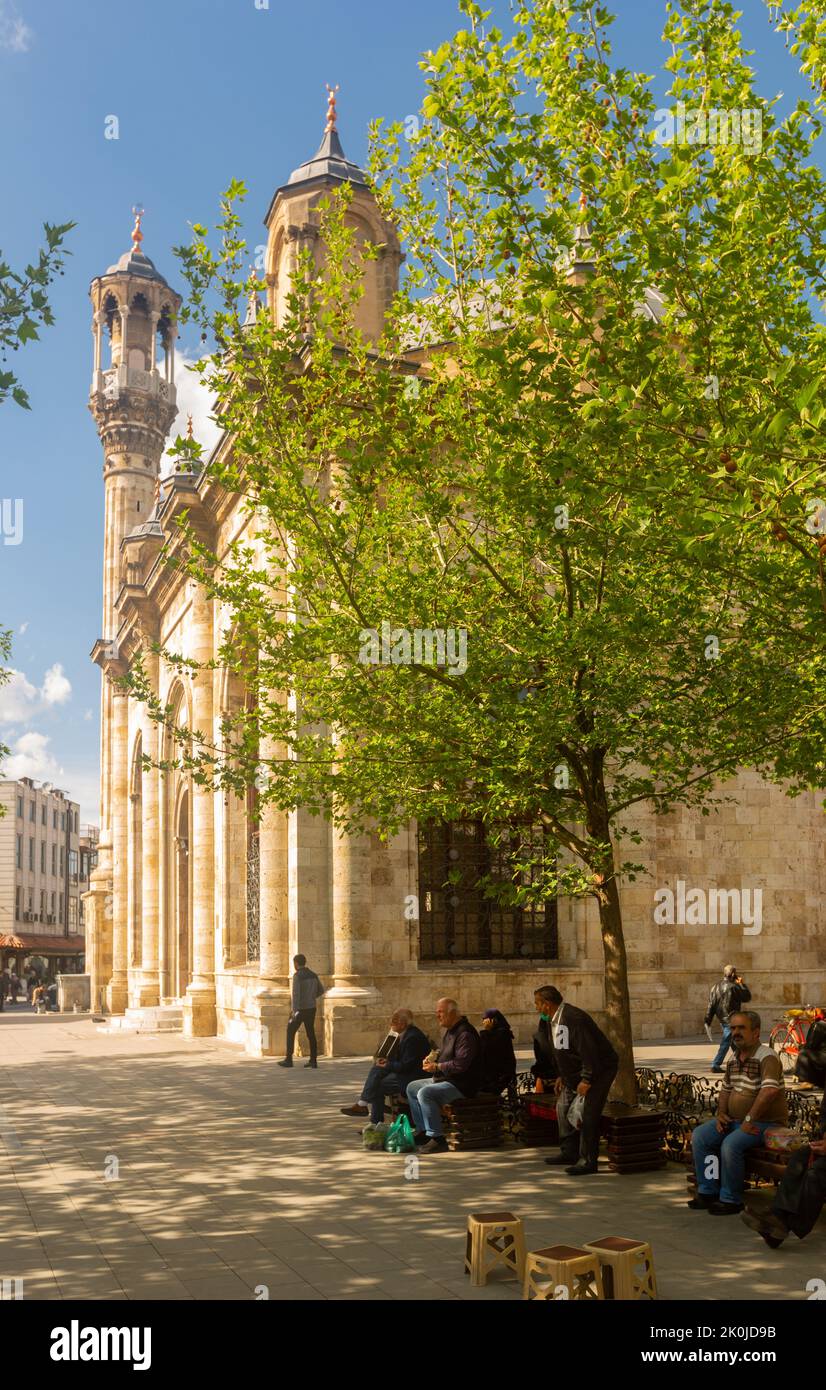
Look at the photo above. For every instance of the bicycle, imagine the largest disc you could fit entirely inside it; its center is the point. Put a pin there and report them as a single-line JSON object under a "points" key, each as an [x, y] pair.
{"points": [[789, 1035]]}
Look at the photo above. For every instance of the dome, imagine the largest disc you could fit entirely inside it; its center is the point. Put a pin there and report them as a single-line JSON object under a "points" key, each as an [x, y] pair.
{"points": [[329, 162], [134, 262]]}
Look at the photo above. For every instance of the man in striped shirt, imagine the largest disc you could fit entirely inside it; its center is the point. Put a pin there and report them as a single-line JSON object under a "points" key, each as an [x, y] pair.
{"points": [[752, 1098]]}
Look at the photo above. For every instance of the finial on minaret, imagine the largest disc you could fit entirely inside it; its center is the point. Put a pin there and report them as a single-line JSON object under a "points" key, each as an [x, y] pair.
{"points": [[189, 433], [332, 113], [137, 234]]}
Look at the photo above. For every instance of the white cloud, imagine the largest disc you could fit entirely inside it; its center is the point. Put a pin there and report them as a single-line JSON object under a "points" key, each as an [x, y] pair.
{"points": [[15, 34], [194, 400], [20, 701], [87, 715], [22, 628], [30, 757], [56, 688]]}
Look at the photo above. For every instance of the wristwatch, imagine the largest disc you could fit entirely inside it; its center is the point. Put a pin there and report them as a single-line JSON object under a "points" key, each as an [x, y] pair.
{"points": [[747, 1119]]}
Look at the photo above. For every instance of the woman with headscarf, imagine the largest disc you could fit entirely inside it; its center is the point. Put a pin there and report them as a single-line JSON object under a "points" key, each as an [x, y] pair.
{"points": [[498, 1057]]}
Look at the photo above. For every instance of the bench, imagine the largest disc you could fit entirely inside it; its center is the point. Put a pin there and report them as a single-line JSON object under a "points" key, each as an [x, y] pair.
{"points": [[468, 1124]]}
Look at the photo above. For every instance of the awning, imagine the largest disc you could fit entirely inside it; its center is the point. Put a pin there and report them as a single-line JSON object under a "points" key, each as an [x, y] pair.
{"points": [[45, 945]]}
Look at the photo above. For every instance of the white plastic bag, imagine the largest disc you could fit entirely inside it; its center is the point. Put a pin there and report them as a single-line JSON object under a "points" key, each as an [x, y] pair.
{"points": [[576, 1112]]}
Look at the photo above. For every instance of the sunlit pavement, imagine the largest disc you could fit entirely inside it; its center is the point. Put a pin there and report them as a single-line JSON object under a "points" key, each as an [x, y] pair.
{"points": [[161, 1168]]}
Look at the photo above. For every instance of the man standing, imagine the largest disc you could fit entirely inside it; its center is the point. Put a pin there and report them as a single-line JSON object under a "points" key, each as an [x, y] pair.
{"points": [[307, 990], [587, 1065], [752, 1097], [390, 1076], [725, 998], [453, 1075]]}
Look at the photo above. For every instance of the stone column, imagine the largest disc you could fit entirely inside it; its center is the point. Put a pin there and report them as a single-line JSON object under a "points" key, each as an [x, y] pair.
{"points": [[117, 991], [353, 1005], [271, 1002], [149, 989], [200, 1019]]}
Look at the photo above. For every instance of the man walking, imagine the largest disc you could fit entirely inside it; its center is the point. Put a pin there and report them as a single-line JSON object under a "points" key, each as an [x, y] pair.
{"points": [[306, 991], [725, 998], [752, 1097], [587, 1065]]}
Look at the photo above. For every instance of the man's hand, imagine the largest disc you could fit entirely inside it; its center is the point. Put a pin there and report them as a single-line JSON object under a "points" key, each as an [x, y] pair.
{"points": [[558, 1086], [428, 1065], [723, 1122], [749, 1129], [818, 1146], [583, 1088], [382, 1062]]}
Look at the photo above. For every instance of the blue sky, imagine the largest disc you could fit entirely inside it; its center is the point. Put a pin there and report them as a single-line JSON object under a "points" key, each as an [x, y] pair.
{"points": [[204, 91]]}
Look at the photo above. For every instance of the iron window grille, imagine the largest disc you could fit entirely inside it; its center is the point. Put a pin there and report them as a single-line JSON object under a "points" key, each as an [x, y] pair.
{"points": [[458, 919]]}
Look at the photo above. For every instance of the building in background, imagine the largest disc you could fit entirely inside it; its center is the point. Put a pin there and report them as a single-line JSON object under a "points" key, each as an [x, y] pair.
{"points": [[40, 884], [196, 907]]}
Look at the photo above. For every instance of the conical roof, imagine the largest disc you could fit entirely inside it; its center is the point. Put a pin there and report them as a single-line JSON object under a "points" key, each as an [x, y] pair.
{"points": [[134, 262], [328, 162]]}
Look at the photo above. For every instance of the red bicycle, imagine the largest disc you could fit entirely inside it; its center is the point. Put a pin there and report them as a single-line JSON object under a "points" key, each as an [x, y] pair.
{"points": [[789, 1035]]}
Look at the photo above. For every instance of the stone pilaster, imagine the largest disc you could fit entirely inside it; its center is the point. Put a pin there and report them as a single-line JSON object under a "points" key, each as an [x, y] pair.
{"points": [[271, 1003], [118, 985], [149, 987], [200, 1017], [353, 1007]]}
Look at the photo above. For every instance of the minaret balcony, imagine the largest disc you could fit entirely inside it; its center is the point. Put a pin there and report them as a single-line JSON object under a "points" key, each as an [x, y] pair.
{"points": [[114, 380]]}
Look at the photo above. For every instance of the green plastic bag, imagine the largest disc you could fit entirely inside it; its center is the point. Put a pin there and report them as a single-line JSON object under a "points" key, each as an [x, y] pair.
{"points": [[400, 1139], [373, 1137]]}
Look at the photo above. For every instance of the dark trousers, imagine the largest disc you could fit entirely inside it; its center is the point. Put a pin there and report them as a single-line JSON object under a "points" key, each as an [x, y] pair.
{"points": [[379, 1084], [801, 1193], [584, 1143], [307, 1017]]}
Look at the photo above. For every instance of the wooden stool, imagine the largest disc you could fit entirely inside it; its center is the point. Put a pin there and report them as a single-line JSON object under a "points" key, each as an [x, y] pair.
{"points": [[621, 1260], [576, 1270], [494, 1236]]}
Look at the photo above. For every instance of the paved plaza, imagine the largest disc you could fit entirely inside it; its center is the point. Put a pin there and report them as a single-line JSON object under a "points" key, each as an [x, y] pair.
{"points": [[234, 1175]]}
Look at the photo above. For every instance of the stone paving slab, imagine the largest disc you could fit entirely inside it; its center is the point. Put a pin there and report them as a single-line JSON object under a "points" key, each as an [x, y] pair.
{"points": [[233, 1174]]}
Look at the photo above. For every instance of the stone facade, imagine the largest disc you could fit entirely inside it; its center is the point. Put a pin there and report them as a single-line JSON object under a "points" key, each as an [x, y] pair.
{"points": [[168, 913]]}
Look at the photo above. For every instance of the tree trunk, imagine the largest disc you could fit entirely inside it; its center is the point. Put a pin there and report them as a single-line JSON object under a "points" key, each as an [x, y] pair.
{"points": [[617, 1003]]}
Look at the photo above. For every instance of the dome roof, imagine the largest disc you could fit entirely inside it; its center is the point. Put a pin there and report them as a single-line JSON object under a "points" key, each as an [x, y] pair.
{"points": [[134, 262]]}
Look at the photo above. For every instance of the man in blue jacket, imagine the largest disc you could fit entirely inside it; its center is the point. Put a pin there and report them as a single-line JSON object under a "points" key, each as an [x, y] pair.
{"points": [[390, 1075]]}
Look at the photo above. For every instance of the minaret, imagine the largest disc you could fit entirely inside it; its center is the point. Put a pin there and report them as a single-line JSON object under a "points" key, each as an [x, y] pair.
{"points": [[133, 402], [293, 223]]}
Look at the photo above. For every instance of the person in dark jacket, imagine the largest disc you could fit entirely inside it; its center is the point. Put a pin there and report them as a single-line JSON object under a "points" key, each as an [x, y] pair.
{"points": [[544, 1067], [725, 998], [452, 1075], [801, 1194], [390, 1076], [497, 1054], [587, 1066], [306, 992]]}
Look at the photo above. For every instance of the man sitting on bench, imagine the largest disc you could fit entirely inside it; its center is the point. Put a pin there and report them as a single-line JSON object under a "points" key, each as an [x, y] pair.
{"points": [[801, 1194], [390, 1075], [453, 1075], [752, 1098]]}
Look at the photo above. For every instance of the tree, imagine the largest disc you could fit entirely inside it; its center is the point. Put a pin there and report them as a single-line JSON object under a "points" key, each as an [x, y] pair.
{"points": [[24, 304], [600, 474]]}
